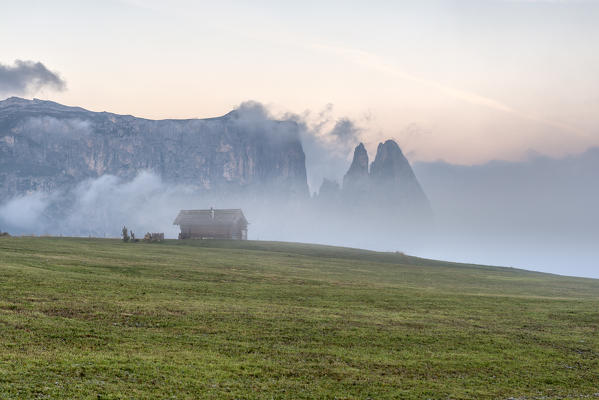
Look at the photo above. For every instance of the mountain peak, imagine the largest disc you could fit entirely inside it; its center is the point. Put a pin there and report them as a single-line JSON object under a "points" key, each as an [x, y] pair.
{"points": [[359, 165], [13, 100], [390, 162], [392, 175], [389, 147], [358, 171]]}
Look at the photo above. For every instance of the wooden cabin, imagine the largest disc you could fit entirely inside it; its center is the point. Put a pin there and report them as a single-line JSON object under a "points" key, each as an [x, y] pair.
{"points": [[212, 224]]}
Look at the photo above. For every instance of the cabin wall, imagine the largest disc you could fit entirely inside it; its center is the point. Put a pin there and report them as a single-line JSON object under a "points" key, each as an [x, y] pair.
{"points": [[193, 231]]}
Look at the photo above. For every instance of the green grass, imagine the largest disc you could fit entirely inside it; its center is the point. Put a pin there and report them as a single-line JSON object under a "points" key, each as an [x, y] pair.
{"points": [[97, 318]]}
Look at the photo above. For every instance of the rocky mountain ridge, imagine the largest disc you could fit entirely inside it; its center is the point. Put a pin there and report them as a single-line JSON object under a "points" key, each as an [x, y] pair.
{"points": [[46, 146], [388, 185]]}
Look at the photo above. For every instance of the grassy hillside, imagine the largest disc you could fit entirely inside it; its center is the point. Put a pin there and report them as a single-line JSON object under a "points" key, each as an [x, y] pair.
{"points": [[97, 318]]}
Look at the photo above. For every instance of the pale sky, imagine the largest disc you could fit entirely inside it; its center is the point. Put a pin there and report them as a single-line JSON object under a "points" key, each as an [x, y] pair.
{"points": [[463, 81]]}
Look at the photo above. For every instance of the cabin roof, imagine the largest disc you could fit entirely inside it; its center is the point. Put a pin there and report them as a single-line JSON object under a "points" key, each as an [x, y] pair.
{"points": [[210, 217]]}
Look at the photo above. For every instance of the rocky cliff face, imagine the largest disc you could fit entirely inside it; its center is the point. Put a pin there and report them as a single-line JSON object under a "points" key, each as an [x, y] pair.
{"points": [[45, 146]]}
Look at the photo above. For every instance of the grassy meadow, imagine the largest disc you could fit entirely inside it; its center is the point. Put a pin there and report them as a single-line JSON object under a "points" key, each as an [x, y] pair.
{"points": [[103, 319]]}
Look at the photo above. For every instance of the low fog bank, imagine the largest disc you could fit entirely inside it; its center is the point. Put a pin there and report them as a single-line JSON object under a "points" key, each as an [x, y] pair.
{"points": [[100, 207], [538, 214]]}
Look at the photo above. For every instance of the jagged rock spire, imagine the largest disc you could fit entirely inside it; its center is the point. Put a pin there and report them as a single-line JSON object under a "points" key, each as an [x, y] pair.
{"points": [[357, 175], [392, 175], [390, 163]]}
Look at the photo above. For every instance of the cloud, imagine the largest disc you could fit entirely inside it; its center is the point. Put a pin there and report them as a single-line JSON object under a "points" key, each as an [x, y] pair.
{"points": [[328, 143], [100, 207], [251, 112], [28, 77], [346, 132]]}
